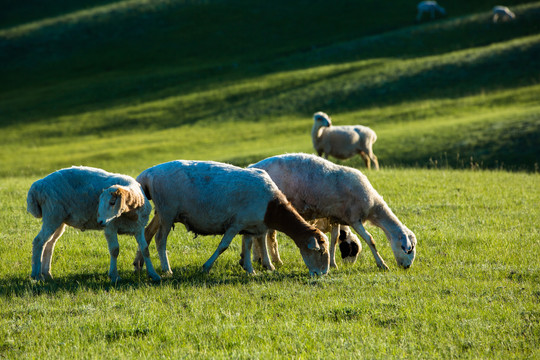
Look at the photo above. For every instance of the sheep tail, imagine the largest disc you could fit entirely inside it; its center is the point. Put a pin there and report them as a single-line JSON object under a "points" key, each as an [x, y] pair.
{"points": [[32, 203], [143, 180]]}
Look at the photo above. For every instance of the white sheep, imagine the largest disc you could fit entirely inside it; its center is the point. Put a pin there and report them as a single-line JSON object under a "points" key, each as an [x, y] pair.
{"points": [[343, 142], [432, 8], [502, 13], [318, 188], [349, 244], [87, 199], [212, 198]]}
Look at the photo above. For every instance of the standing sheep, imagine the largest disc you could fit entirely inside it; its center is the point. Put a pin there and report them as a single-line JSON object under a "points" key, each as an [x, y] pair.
{"points": [[318, 188], [87, 199], [349, 244], [343, 142], [212, 198], [429, 7], [502, 13]]}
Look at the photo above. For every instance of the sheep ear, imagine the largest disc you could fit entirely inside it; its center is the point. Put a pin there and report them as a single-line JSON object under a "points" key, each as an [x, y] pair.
{"points": [[313, 244], [130, 199]]}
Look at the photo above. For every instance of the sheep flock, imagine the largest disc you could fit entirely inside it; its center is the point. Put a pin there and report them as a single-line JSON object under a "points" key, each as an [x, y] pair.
{"points": [[303, 196]]}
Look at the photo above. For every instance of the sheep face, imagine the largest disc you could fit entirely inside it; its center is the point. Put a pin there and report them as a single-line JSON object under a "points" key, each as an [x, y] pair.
{"points": [[322, 119], [316, 255], [404, 248], [117, 201], [349, 245]]}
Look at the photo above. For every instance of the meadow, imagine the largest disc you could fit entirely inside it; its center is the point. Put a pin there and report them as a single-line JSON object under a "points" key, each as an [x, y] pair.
{"points": [[124, 85]]}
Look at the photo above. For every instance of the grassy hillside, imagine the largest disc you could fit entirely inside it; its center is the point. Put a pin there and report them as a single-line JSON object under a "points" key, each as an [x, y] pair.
{"points": [[131, 72], [124, 85]]}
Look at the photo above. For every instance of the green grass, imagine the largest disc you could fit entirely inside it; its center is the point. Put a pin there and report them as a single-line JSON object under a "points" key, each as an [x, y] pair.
{"points": [[473, 290], [124, 85]]}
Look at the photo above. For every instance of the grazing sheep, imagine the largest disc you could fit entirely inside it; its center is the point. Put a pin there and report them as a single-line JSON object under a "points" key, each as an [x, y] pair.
{"points": [[431, 8], [502, 13], [349, 244], [212, 198], [87, 199], [343, 142], [318, 188]]}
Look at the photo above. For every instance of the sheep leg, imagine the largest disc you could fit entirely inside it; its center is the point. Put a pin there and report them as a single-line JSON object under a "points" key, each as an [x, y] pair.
{"points": [[143, 248], [114, 250], [371, 243], [245, 258], [375, 160], [265, 258], [366, 159], [48, 252], [272, 243], [39, 242], [149, 233], [223, 245], [333, 245], [161, 244]]}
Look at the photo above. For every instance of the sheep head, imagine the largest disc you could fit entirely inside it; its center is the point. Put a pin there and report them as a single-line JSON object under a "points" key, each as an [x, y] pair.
{"points": [[404, 248], [315, 253], [322, 119], [117, 201], [349, 245]]}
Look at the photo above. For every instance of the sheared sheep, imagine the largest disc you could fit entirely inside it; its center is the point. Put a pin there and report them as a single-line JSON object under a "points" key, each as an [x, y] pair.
{"points": [[318, 188], [502, 13], [343, 142], [349, 244], [212, 198], [429, 7], [87, 199]]}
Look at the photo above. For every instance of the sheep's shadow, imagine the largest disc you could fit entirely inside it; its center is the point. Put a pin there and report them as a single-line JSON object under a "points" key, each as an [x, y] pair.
{"points": [[189, 275]]}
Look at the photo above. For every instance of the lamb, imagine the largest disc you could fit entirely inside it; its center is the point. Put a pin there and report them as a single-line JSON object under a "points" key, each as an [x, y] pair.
{"points": [[318, 188], [87, 199], [343, 142], [212, 198], [349, 244], [429, 7], [502, 13]]}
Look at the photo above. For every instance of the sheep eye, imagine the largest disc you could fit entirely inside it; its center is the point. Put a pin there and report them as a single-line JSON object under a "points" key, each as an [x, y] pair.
{"points": [[112, 201]]}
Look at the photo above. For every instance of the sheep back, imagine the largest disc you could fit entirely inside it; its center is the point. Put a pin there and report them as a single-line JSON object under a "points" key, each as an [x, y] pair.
{"points": [[208, 197], [71, 195], [319, 188]]}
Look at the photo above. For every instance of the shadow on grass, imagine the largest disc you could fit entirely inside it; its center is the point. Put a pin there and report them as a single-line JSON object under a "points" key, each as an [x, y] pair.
{"points": [[186, 276]]}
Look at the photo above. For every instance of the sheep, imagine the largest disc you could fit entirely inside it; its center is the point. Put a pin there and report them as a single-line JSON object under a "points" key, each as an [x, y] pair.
{"points": [[502, 13], [212, 198], [318, 188], [87, 199], [343, 142], [429, 7], [349, 244]]}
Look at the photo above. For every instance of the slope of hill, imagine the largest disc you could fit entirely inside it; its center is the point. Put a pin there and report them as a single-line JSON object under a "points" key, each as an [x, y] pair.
{"points": [[136, 71]]}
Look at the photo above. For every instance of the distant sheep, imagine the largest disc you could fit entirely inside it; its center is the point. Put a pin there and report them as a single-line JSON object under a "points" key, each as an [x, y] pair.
{"points": [[318, 188], [432, 8], [212, 198], [349, 244], [87, 199], [343, 142], [502, 14]]}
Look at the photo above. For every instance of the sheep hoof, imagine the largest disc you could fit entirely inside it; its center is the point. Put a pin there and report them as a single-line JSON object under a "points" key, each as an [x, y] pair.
{"points": [[115, 280], [155, 277], [47, 276], [206, 268], [383, 266], [167, 274], [334, 265], [37, 277]]}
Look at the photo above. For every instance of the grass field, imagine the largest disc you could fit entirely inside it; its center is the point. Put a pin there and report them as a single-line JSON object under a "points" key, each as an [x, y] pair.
{"points": [[124, 85]]}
